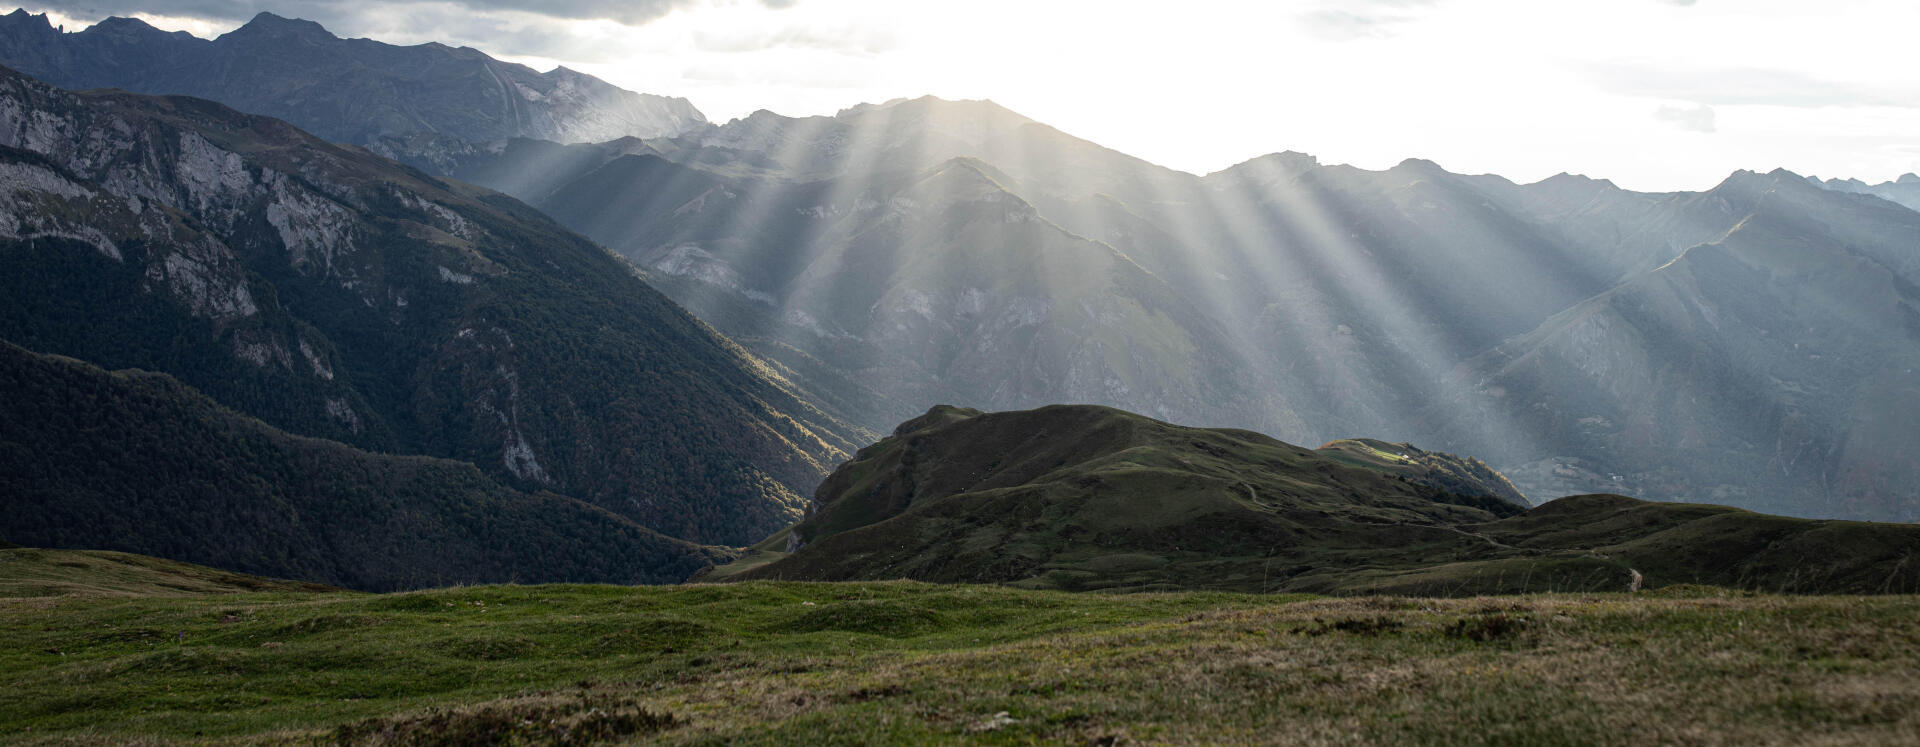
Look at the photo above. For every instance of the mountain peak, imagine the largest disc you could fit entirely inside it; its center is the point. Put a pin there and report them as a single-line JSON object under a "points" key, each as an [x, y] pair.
{"points": [[1847, 182], [893, 103], [1908, 178], [28, 22], [1566, 179], [1751, 176], [1419, 164], [1282, 165], [1290, 159], [562, 72], [930, 103], [116, 22], [267, 24], [119, 26], [1745, 185]]}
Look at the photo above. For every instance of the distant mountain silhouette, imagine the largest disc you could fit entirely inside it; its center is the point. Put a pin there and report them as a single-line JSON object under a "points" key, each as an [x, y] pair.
{"points": [[346, 90], [1904, 190]]}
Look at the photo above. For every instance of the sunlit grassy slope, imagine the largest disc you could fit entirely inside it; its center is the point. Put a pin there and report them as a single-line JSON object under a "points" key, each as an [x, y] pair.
{"points": [[864, 662], [30, 572]]}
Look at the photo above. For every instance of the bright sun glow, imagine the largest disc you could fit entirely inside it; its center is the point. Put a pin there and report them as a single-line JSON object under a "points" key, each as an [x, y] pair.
{"points": [[1655, 94]]}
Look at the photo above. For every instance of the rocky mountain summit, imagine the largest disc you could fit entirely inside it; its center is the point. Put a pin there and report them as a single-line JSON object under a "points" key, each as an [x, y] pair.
{"points": [[346, 90]]}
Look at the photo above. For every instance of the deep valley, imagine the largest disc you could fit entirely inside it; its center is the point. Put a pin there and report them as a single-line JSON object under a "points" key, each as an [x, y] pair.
{"points": [[389, 391]]}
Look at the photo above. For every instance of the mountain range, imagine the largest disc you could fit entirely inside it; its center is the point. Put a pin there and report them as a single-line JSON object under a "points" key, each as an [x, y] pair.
{"points": [[1904, 190], [781, 289], [905, 246], [355, 91], [332, 293]]}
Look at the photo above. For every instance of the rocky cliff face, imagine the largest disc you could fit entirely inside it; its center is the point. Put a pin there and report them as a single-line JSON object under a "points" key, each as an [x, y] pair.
{"points": [[334, 293]]}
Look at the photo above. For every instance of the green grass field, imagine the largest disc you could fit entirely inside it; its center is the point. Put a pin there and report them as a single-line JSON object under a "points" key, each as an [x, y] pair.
{"points": [[115, 652]]}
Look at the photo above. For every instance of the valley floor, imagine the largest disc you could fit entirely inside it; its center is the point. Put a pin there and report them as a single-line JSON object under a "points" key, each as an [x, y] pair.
{"points": [[110, 660]]}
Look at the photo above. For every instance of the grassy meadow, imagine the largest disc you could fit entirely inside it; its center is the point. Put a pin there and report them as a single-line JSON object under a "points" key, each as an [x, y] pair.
{"points": [[97, 648]]}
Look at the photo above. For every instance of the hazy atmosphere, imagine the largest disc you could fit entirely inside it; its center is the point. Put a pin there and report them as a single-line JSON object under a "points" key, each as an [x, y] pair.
{"points": [[1407, 372], [1654, 94]]}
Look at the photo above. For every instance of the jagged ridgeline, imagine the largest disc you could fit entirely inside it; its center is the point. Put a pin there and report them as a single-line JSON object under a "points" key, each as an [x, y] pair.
{"points": [[347, 90], [336, 294], [1082, 497]]}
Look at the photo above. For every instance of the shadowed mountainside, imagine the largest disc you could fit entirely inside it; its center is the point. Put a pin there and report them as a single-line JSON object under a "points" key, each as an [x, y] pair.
{"points": [[136, 462], [337, 294], [33, 572], [1094, 498], [347, 90]]}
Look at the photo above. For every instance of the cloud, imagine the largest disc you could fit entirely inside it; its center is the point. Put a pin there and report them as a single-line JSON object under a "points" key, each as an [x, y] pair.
{"points": [[846, 40], [344, 12], [1697, 118], [529, 28], [1728, 86], [1365, 19]]}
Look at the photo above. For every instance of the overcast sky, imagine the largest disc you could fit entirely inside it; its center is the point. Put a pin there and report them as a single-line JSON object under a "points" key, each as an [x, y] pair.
{"points": [[1654, 94]]}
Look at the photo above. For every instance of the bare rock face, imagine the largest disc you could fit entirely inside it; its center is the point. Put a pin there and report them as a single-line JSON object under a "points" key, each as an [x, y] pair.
{"points": [[334, 293]]}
